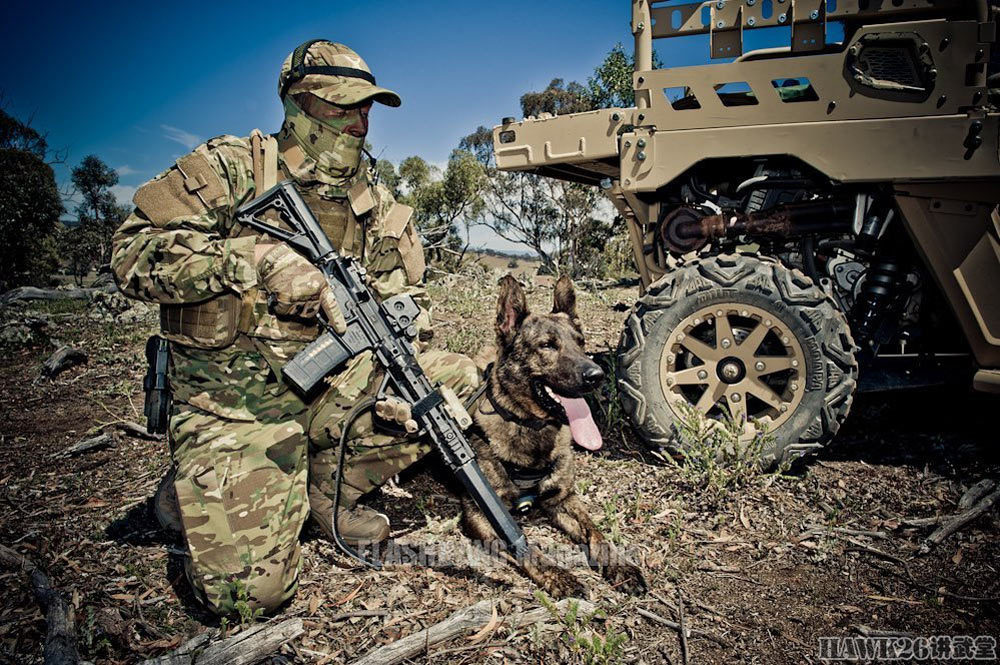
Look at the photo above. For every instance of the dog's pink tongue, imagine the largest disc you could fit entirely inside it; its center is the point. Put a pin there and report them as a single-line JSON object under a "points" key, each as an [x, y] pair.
{"points": [[581, 423]]}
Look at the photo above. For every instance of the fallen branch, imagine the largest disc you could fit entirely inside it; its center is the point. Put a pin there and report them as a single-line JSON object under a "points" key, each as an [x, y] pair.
{"points": [[33, 293], [107, 439], [474, 616], [60, 636], [719, 617], [923, 521], [184, 654], [975, 493], [680, 625], [98, 442], [956, 522], [693, 632], [866, 631], [711, 567], [861, 547], [819, 529], [971, 496], [64, 358], [358, 613], [249, 646], [136, 430], [471, 647]]}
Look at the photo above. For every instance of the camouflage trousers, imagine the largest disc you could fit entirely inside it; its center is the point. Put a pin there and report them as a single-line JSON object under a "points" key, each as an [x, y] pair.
{"points": [[246, 449]]}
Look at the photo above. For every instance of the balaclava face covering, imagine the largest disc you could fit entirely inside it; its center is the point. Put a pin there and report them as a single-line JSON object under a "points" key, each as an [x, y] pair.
{"points": [[334, 156]]}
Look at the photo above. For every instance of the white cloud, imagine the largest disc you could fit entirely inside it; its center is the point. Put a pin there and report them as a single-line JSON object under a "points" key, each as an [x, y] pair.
{"points": [[126, 170], [123, 193], [186, 139]]}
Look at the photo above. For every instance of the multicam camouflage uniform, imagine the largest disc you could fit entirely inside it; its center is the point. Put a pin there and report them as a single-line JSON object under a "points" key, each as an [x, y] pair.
{"points": [[249, 454]]}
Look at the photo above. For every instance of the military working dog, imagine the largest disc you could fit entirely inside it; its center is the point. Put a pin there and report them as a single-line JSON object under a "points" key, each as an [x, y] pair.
{"points": [[531, 411]]}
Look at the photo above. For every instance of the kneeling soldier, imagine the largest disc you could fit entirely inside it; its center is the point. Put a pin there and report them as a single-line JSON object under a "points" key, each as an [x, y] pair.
{"points": [[250, 459]]}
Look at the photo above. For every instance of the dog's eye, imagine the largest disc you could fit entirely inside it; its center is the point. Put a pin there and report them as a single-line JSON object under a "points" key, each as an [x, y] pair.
{"points": [[551, 344]]}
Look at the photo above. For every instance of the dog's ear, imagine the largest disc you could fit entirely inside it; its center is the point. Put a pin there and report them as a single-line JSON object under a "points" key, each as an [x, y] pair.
{"points": [[564, 300], [511, 309]]}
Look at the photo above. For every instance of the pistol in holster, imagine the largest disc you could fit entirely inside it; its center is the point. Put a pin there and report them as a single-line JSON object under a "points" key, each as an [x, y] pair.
{"points": [[157, 385]]}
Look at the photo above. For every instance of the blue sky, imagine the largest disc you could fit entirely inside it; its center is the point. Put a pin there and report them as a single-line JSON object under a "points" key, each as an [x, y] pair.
{"points": [[139, 84]]}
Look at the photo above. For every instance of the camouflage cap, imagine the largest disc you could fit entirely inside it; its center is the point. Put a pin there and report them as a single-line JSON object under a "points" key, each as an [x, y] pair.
{"points": [[344, 77]]}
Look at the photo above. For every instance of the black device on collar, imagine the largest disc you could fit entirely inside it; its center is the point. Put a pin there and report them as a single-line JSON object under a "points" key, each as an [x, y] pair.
{"points": [[526, 480], [299, 71]]}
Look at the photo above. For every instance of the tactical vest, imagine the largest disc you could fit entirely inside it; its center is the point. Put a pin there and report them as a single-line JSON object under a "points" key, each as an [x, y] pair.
{"points": [[215, 323]]}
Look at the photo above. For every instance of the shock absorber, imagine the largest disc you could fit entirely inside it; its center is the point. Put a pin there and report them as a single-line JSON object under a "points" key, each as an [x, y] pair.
{"points": [[876, 303]]}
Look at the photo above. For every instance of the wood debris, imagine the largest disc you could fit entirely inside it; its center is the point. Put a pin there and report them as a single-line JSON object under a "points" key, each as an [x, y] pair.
{"points": [[467, 618]]}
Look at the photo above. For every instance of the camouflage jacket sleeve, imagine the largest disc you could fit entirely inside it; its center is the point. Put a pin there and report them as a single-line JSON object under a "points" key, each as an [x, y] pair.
{"points": [[174, 248], [396, 257]]}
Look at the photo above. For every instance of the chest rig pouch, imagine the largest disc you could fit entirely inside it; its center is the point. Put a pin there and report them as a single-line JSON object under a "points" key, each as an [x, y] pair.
{"points": [[192, 188]]}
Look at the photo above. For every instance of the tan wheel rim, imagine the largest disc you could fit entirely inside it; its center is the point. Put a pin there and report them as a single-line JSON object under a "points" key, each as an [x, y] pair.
{"points": [[734, 360]]}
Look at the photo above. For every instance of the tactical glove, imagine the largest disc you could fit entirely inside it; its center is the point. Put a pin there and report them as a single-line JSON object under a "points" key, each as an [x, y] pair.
{"points": [[297, 287]]}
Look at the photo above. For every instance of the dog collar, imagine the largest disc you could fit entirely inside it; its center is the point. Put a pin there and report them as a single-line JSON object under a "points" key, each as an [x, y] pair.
{"points": [[531, 423], [525, 477], [526, 480]]}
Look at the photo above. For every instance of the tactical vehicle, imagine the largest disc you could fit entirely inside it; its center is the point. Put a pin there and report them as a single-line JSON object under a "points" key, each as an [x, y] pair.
{"points": [[806, 220]]}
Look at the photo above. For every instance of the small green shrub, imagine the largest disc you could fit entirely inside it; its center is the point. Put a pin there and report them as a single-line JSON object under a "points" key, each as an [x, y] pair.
{"points": [[611, 524], [717, 455], [247, 613], [242, 610], [90, 641], [585, 643]]}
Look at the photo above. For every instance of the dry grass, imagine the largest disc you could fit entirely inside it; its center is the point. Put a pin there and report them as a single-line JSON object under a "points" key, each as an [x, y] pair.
{"points": [[764, 564]]}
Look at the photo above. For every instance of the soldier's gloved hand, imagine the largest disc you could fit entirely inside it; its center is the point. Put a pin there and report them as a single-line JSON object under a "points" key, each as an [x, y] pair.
{"points": [[295, 286]]}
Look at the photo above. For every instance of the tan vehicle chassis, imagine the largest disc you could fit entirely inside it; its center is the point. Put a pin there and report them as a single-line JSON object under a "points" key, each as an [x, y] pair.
{"points": [[900, 108]]}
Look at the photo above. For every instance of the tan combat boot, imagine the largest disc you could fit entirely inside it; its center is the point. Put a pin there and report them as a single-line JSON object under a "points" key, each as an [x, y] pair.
{"points": [[165, 504], [357, 525]]}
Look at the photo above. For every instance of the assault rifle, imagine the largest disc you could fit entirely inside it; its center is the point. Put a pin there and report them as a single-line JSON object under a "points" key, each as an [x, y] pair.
{"points": [[386, 329]]}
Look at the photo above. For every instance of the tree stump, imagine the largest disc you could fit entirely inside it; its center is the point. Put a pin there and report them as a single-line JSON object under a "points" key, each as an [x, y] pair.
{"points": [[64, 358]]}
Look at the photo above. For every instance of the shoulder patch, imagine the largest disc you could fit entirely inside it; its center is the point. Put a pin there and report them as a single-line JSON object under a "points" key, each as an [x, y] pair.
{"points": [[192, 187], [396, 220]]}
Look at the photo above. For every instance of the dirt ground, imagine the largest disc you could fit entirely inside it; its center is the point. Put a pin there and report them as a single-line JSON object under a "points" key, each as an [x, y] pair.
{"points": [[763, 569]]}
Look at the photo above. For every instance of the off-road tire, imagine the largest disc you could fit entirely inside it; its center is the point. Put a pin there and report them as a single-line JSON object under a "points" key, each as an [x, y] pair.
{"points": [[819, 328]]}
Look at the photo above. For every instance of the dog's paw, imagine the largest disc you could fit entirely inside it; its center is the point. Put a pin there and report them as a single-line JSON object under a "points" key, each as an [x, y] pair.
{"points": [[626, 577]]}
